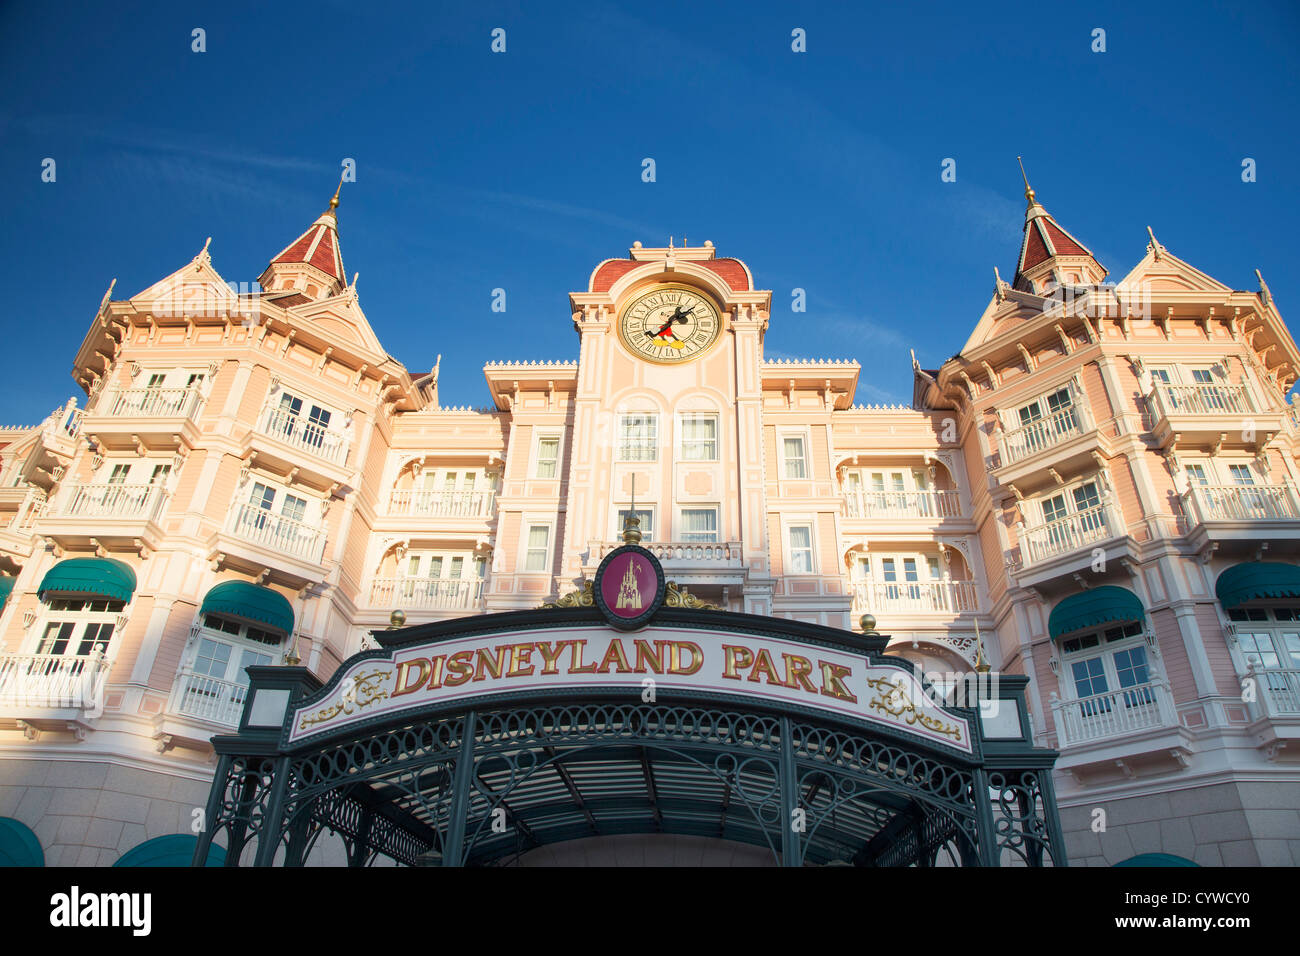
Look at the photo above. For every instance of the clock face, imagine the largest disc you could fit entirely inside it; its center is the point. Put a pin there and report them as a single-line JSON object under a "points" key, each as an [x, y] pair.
{"points": [[670, 325]]}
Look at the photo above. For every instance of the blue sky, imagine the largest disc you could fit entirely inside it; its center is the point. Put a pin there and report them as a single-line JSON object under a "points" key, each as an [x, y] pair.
{"points": [[522, 170]]}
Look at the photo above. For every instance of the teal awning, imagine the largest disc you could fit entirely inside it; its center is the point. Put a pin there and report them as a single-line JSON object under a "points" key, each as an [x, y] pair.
{"points": [[105, 577], [1104, 605], [1157, 859], [18, 844], [251, 602], [1258, 579], [6, 586], [174, 850]]}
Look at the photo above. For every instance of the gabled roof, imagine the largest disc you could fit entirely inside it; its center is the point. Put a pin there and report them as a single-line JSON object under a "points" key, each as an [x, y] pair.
{"points": [[318, 246], [1163, 271]]}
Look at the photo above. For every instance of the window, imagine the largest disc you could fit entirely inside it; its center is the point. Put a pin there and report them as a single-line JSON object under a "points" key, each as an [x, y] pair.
{"points": [[646, 527], [76, 626], [118, 477], [699, 437], [793, 451], [699, 524], [537, 556], [1269, 639], [1109, 669], [1241, 475], [1057, 401], [638, 437], [290, 423], [1196, 475], [801, 552], [548, 455]]}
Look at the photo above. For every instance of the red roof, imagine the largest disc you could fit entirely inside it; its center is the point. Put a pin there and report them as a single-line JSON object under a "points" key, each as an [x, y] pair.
{"points": [[731, 271], [318, 246]]}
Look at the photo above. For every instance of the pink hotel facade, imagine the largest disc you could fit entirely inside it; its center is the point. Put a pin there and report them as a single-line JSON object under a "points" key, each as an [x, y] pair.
{"points": [[1100, 491]]}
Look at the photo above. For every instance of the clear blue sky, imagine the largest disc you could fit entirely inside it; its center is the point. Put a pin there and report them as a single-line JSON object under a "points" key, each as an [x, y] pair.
{"points": [[478, 170]]}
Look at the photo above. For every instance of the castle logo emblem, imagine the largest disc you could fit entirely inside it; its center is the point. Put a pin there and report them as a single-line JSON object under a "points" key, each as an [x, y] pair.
{"points": [[629, 586]]}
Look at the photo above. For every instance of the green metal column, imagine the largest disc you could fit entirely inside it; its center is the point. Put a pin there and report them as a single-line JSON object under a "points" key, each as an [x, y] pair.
{"points": [[988, 848], [454, 849], [268, 840], [210, 812], [789, 798], [1055, 836]]}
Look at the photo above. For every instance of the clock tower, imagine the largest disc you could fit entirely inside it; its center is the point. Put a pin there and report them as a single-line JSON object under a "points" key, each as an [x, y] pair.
{"points": [[667, 422]]}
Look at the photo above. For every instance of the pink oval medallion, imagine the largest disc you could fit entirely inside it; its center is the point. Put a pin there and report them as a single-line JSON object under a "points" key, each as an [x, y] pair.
{"points": [[629, 585]]}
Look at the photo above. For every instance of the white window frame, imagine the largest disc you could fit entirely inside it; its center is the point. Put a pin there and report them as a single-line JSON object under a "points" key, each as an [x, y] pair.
{"points": [[805, 458], [648, 447], [647, 534], [1066, 491], [787, 542], [681, 532], [683, 442], [528, 525], [535, 469], [1106, 651], [80, 619]]}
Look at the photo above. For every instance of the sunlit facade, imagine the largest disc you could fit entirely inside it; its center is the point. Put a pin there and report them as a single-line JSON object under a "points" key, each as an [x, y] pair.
{"points": [[1098, 491]]}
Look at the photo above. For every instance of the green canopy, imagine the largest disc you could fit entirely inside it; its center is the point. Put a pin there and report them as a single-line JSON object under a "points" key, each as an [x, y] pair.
{"points": [[1095, 606], [18, 844], [174, 850], [105, 577], [1257, 579], [250, 602], [6, 586], [1157, 859]]}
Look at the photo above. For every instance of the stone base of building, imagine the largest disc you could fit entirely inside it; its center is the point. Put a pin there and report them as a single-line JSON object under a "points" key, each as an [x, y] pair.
{"points": [[1226, 824]]}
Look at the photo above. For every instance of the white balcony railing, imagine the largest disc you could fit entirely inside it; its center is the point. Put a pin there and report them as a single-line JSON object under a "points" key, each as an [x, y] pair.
{"points": [[901, 504], [1244, 502], [1020, 443], [116, 501], [1202, 399], [304, 434], [40, 681], [443, 504], [218, 701], [1079, 530], [270, 530], [883, 597], [428, 594], [1114, 713], [683, 555], [1278, 690], [152, 402]]}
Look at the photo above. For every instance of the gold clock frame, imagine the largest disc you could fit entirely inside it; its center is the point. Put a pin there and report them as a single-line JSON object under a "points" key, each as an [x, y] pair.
{"points": [[666, 287]]}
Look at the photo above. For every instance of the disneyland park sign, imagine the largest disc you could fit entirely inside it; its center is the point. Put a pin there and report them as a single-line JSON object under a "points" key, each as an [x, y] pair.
{"points": [[652, 664]]}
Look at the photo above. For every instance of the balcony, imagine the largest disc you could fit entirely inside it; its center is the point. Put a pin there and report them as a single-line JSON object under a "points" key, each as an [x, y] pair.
{"points": [[206, 698], [1074, 532], [1065, 441], [687, 562], [1278, 691], [128, 515], [442, 504], [149, 417], [256, 539], [915, 597], [56, 687], [287, 443], [1209, 416], [426, 594], [1114, 714], [902, 504], [278, 533], [1240, 513]]}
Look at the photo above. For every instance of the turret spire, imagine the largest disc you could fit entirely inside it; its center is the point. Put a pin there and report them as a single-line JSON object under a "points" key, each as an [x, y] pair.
{"points": [[1029, 192]]}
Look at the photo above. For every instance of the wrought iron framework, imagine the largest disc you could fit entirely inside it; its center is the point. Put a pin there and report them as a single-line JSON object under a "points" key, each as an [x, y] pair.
{"points": [[481, 785]]}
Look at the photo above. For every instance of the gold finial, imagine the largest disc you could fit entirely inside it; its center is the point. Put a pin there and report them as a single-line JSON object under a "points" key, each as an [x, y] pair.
{"points": [[632, 524], [396, 619], [1029, 193], [292, 658], [334, 202], [981, 664]]}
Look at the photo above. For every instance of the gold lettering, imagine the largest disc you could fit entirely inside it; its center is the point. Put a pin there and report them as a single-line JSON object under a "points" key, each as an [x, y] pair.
{"points": [[644, 656], [832, 683], [797, 670], [521, 661], [550, 654], [575, 668], [460, 668], [614, 657], [403, 685], [435, 679], [734, 656], [486, 663], [675, 658], [763, 665]]}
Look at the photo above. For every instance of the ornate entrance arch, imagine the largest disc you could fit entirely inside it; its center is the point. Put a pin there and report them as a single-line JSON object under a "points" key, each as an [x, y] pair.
{"points": [[454, 745]]}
